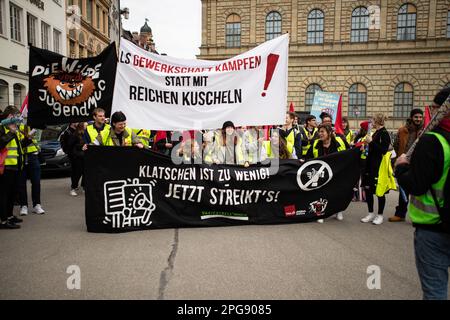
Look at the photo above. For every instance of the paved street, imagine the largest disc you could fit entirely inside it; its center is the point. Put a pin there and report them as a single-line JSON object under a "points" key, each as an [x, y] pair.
{"points": [[297, 261]]}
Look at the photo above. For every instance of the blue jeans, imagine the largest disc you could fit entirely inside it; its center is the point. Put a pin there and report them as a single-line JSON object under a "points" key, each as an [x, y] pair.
{"points": [[32, 171], [432, 250]]}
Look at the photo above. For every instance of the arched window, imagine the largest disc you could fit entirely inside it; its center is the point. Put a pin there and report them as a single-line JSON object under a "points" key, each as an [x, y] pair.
{"points": [[309, 95], [403, 100], [315, 27], [233, 31], [406, 22], [4, 95], [360, 25], [273, 25], [19, 94], [357, 100]]}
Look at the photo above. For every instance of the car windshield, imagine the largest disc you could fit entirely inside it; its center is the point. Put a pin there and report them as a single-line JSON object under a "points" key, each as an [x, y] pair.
{"points": [[52, 132]]}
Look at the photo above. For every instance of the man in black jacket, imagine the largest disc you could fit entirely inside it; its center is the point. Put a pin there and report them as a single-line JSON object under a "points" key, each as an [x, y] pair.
{"points": [[425, 177]]}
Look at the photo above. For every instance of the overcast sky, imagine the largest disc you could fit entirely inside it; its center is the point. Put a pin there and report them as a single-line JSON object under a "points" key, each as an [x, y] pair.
{"points": [[176, 24]]}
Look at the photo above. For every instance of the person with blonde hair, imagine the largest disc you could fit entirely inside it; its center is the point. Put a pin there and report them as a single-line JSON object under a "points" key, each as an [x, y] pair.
{"points": [[378, 144]]}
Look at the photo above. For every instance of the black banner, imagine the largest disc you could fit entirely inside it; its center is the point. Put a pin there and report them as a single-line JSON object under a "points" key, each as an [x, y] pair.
{"points": [[139, 189], [64, 90]]}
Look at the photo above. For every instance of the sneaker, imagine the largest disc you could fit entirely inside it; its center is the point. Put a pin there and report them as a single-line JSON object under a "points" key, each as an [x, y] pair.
{"points": [[14, 219], [73, 193], [368, 218], [340, 216], [8, 225], [23, 210], [396, 219], [320, 221], [378, 219], [38, 209]]}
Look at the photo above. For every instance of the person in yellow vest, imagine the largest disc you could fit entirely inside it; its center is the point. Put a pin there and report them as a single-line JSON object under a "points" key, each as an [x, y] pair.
{"points": [[325, 145], [119, 134], [143, 135], [12, 144], [328, 119], [228, 146], [32, 171], [378, 144], [94, 130], [292, 136], [309, 133], [348, 133], [425, 178]]}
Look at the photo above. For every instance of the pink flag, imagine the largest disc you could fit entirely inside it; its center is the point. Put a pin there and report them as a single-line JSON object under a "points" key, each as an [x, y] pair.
{"points": [[338, 122], [427, 117], [291, 107]]}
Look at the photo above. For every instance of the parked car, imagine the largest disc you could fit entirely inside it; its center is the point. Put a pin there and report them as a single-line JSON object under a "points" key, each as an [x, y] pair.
{"points": [[54, 157]]}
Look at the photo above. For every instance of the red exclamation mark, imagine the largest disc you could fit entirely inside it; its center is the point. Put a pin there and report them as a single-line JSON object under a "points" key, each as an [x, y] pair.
{"points": [[272, 61]]}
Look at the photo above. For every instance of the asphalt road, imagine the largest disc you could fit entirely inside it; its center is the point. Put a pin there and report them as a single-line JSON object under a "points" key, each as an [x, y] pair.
{"points": [[295, 261]]}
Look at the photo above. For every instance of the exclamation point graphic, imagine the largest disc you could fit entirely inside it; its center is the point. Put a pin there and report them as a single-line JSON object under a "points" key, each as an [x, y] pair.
{"points": [[272, 61]]}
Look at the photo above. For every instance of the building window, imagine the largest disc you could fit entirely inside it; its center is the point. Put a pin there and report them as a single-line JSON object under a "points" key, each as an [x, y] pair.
{"points": [[360, 25], [45, 35], [357, 101], [448, 24], [105, 23], [273, 25], [18, 92], [97, 13], [72, 48], [81, 5], [89, 10], [403, 100], [82, 44], [2, 17], [233, 31], [4, 94], [56, 41], [309, 95], [315, 27], [406, 22], [31, 30], [15, 14]]}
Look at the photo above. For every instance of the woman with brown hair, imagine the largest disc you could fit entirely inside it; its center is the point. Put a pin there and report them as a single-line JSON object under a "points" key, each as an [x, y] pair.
{"points": [[228, 146], [378, 144]]}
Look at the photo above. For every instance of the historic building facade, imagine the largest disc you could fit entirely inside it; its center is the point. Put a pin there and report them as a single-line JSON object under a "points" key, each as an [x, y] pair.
{"points": [[383, 56]]}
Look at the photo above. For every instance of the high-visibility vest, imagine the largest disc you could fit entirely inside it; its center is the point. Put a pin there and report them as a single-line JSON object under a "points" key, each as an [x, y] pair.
{"points": [[108, 141], [290, 140], [309, 136], [251, 157], [93, 133], [33, 147], [144, 136], [349, 137], [363, 153], [12, 157], [422, 209], [341, 146]]}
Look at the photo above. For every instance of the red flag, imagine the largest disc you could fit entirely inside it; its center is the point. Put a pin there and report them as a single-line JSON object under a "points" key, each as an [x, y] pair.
{"points": [[159, 135], [291, 107], [338, 122], [24, 107], [427, 117], [267, 132]]}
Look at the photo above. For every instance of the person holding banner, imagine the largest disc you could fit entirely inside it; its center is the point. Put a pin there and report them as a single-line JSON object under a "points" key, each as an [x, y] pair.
{"points": [[94, 130], [228, 146], [425, 178], [292, 136], [119, 134], [143, 135], [309, 133], [13, 142], [328, 119], [325, 145], [378, 146], [406, 136]]}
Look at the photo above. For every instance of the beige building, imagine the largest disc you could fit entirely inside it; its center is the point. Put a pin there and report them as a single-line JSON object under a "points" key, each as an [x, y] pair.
{"points": [[88, 27], [382, 56]]}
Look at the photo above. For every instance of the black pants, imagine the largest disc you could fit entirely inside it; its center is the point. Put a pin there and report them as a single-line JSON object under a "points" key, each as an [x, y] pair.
{"points": [[369, 199], [402, 208], [77, 164], [32, 171], [8, 192]]}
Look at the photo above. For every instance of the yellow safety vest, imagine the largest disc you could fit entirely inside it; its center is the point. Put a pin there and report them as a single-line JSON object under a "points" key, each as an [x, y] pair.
{"points": [[340, 148], [349, 137], [144, 136], [290, 140], [108, 141], [309, 136], [94, 134], [33, 147], [12, 157]]}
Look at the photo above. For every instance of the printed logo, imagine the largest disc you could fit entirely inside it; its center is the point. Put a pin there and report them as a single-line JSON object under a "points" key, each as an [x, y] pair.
{"points": [[313, 175], [318, 207], [289, 211], [128, 203], [69, 88]]}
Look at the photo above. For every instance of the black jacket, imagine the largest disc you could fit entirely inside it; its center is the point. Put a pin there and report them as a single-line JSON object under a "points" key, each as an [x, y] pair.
{"points": [[334, 145]]}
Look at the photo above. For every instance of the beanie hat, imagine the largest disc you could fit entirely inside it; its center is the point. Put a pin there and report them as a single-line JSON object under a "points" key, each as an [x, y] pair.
{"points": [[415, 111], [364, 125], [227, 124]]}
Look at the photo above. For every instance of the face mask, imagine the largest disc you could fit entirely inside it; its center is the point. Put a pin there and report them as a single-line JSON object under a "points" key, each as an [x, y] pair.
{"points": [[229, 131]]}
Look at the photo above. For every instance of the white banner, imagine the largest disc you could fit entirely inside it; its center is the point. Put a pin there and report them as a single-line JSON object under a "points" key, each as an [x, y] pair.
{"points": [[165, 93]]}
